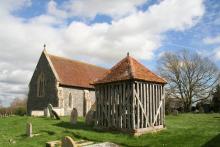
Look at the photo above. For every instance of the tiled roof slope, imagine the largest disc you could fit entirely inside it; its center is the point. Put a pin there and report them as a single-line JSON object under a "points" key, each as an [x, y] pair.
{"points": [[76, 73], [129, 68]]}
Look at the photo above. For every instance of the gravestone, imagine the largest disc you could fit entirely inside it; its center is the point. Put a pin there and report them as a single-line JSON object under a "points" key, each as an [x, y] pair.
{"points": [[29, 130], [90, 118], [68, 142], [175, 112], [52, 112], [46, 112], [56, 143], [73, 116], [50, 108]]}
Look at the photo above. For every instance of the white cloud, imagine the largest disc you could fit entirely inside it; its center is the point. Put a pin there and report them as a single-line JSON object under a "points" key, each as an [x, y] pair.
{"points": [[138, 32], [217, 53], [216, 42], [212, 40], [112, 8], [54, 11]]}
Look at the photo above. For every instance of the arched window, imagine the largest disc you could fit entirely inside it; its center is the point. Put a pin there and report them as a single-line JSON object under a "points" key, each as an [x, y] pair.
{"points": [[41, 85], [70, 100]]}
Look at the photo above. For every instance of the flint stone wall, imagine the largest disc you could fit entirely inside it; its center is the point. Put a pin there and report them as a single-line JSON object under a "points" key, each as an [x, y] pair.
{"points": [[77, 95], [40, 103]]}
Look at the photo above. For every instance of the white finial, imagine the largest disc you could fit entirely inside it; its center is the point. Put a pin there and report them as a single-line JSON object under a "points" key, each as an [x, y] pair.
{"points": [[127, 54]]}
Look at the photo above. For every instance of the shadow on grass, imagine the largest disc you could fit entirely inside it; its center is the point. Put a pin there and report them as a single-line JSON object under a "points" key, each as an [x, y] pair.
{"points": [[78, 126], [217, 117], [214, 142], [48, 132], [82, 126]]}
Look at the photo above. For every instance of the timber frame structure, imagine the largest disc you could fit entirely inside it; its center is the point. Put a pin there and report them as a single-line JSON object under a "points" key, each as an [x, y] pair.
{"points": [[130, 98]]}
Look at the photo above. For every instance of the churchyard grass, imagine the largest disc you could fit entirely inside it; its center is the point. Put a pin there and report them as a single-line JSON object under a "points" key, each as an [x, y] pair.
{"points": [[182, 130]]}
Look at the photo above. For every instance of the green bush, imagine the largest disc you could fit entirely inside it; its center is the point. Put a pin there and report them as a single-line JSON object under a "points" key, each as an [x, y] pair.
{"points": [[20, 111]]}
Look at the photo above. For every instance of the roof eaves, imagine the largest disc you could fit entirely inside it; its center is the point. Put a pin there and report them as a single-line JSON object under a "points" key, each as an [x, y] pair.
{"points": [[51, 65]]}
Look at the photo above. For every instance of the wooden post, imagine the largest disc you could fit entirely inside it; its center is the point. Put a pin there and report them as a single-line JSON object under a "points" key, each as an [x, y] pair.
{"points": [[113, 105], [138, 108], [151, 104], [96, 103], [116, 105], [145, 104], [129, 102], [163, 97], [156, 103], [133, 105], [148, 102], [123, 115]]}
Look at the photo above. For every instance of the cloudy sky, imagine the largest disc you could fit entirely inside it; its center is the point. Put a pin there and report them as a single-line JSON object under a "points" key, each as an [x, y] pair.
{"points": [[100, 32]]}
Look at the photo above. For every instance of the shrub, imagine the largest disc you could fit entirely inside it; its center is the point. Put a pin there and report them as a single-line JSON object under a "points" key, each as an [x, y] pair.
{"points": [[20, 111]]}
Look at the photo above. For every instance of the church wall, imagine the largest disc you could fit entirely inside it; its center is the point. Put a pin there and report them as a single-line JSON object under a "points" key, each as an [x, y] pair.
{"points": [[77, 96], [39, 103]]}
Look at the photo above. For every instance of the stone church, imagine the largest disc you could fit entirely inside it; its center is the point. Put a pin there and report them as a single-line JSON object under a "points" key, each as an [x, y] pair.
{"points": [[64, 83]]}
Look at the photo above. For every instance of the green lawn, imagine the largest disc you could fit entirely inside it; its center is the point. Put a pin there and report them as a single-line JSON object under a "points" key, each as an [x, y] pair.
{"points": [[182, 130]]}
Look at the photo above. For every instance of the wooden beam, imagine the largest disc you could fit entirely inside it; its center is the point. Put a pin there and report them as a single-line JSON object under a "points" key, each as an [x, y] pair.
{"points": [[128, 103], [145, 104], [140, 104], [133, 105]]}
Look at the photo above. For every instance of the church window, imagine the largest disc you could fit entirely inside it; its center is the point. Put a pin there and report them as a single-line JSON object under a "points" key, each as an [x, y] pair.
{"points": [[41, 85], [70, 100]]}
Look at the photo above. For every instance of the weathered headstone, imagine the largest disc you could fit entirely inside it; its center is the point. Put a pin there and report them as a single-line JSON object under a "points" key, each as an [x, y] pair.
{"points": [[74, 116], [56, 143], [46, 112], [90, 118], [175, 112], [29, 130], [201, 109], [68, 142], [50, 108]]}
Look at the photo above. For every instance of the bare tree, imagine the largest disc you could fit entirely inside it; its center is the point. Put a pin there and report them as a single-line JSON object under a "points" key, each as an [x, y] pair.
{"points": [[18, 102], [190, 77]]}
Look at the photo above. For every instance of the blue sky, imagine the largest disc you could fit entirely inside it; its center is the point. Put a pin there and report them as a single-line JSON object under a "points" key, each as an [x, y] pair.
{"points": [[101, 33]]}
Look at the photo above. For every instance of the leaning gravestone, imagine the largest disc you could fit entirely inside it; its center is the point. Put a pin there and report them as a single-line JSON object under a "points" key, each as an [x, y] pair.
{"points": [[52, 112], [73, 116], [29, 130], [50, 108], [68, 142]]}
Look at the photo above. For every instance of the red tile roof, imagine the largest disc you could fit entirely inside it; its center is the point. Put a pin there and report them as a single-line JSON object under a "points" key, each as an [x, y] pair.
{"points": [[76, 73], [129, 68]]}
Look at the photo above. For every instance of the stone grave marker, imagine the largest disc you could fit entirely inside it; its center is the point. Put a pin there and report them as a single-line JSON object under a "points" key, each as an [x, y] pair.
{"points": [[29, 130], [90, 117], [50, 108], [68, 142], [46, 112], [56, 143], [73, 116], [175, 112]]}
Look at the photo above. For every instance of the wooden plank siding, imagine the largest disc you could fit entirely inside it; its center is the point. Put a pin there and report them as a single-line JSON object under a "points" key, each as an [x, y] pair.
{"points": [[130, 105]]}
